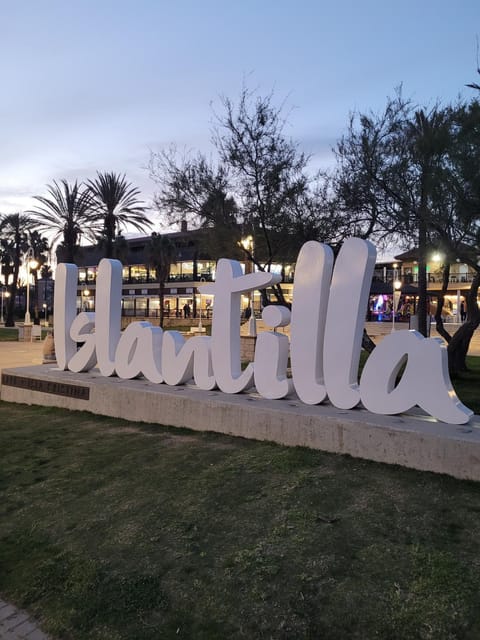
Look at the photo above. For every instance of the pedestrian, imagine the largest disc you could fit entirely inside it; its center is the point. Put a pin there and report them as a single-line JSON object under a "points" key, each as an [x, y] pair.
{"points": [[463, 313], [247, 313]]}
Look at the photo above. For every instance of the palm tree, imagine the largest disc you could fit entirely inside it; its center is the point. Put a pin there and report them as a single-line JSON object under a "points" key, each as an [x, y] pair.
{"points": [[46, 274], [161, 252], [120, 248], [117, 206], [39, 245], [14, 229], [67, 211]]}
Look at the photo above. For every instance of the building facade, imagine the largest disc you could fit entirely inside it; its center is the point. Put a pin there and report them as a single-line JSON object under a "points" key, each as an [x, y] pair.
{"points": [[193, 265]]}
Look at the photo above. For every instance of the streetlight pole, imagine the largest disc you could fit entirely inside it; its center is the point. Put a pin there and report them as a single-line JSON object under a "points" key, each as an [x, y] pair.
{"points": [[248, 245], [84, 297], [200, 327], [397, 285], [30, 263]]}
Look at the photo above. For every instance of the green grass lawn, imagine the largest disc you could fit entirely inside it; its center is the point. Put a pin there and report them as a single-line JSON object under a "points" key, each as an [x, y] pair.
{"points": [[467, 385], [8, 334], [113, 530]]}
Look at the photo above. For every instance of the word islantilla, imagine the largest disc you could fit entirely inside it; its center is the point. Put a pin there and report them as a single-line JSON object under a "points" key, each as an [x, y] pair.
{"points": [[326, 327]]}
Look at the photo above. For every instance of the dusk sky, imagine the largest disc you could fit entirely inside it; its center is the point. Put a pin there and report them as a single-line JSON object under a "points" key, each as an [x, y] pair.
{"points": [[95, 84]]}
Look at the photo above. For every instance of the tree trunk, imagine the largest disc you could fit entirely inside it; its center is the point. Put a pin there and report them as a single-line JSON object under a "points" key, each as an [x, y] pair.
{"points": [[422, 275], [278, 292], [161, 298], [440, 327], [367, 343], [460, 342], [458, 348], [276, 289], [110, 227], [10, 319], [10, 316]]}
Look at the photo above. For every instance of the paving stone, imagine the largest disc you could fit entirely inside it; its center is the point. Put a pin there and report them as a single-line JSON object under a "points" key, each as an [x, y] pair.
{"points": [[6, 612], [7, 635], [36, 635], [16, 624], [15, 620], [25, 628]]}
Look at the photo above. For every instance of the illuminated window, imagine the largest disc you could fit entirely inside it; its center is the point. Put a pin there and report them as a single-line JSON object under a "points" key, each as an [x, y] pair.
{"points": [[138, 273]]}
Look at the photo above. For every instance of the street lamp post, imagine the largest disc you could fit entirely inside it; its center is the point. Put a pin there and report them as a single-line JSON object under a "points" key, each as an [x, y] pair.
{"points": [[200, 327], [397, 285], [45, 310], [84, 293], [30, 263], [247, 244]]}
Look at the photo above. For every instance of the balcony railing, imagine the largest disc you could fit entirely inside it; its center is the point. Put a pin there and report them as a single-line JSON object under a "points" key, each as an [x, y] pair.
{"points": [[172, 278]]}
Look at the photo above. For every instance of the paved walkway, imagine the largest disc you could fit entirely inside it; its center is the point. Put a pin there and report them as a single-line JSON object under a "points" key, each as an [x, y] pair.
{"points": [[378, 330], [20, 354], [16, 624]]}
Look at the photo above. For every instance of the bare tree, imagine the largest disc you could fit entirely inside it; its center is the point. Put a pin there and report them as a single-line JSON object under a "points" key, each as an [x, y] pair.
{"points": [[388, 167], [414, 174], [258, 186]]}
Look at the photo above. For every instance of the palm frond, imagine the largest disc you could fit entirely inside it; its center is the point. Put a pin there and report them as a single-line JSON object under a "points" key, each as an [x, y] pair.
{"points": [[116, 205]]}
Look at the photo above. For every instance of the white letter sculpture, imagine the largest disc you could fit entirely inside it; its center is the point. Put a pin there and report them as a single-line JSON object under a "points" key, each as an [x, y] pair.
{"points": [[313, 274], [64, 312], [425, 381], [271, 356], [327, 321], [229, 285]]}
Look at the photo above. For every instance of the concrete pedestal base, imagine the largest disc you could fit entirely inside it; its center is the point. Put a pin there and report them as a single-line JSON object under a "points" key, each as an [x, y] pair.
{"points": [[415, 441], [24, 331]]}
